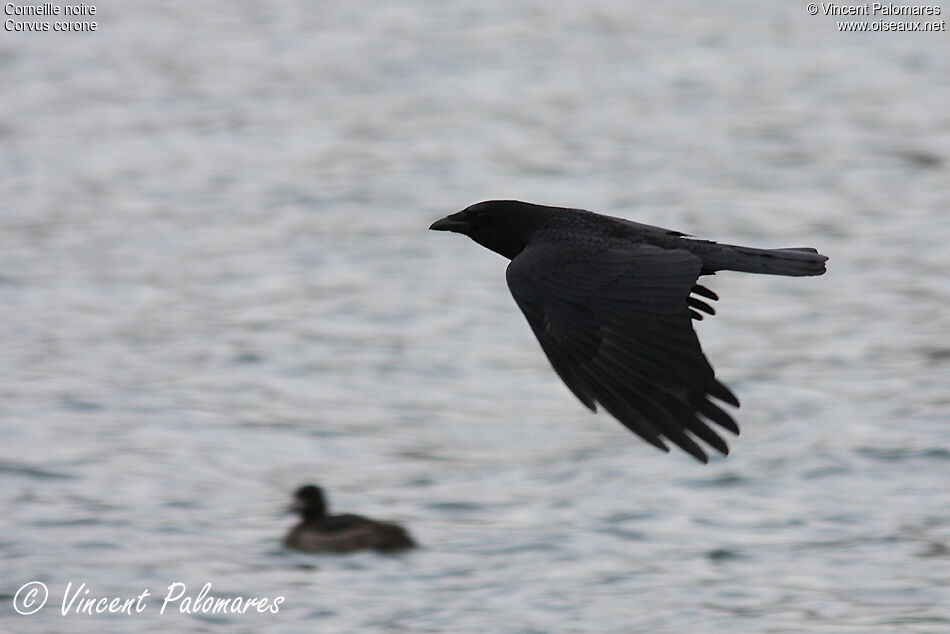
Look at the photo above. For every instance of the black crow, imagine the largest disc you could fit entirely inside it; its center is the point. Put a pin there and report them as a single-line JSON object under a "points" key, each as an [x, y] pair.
{"points": [[611, 302]]}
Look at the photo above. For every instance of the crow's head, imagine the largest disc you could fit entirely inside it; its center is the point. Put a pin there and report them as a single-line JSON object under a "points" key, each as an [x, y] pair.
{"points": [[504, 226]]}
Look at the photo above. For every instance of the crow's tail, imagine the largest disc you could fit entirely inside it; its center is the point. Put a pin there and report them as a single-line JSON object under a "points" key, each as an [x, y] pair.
{"points": [[795, 262]]}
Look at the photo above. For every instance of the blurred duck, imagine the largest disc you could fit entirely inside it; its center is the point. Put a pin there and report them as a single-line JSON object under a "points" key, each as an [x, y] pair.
{"points": [[319, 531]]}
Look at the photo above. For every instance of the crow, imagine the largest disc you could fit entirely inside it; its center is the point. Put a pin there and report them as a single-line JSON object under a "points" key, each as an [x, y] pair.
{"points": [[611, 302]]}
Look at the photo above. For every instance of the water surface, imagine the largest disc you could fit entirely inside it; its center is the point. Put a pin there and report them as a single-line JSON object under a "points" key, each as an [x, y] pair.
{"points": [[216, 284]]}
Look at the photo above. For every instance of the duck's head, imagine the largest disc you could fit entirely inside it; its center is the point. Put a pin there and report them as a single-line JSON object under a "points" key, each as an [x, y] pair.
{"points": [[309, 502]]}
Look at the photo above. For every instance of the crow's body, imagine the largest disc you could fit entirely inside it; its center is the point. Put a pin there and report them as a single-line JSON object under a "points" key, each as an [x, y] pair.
{"points": [[611, 302]]}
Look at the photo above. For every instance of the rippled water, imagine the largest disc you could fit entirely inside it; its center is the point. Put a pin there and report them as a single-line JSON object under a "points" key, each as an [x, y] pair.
{"points": [[216, 284]]}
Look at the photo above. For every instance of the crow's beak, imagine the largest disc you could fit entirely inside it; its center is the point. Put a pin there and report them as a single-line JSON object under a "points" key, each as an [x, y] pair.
{"points": [[456, 222]]}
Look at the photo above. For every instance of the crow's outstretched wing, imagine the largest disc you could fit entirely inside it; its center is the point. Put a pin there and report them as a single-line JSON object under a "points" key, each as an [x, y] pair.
{"points": [[616, 325]]}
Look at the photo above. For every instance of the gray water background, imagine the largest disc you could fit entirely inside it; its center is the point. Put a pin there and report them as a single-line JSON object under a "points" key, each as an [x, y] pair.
{"points": [[216, 284]]}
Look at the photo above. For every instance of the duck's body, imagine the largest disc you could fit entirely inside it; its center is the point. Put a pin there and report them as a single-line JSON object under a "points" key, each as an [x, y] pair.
{"points": [[319, 531]]}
